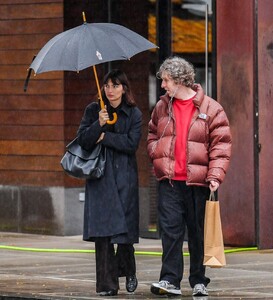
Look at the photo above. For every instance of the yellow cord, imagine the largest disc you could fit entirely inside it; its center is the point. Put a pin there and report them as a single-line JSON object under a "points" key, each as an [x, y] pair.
{"points": [[151, 253]]}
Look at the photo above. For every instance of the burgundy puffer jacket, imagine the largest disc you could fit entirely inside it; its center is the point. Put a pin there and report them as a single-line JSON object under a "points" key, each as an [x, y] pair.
{"points": [[208, 145]]}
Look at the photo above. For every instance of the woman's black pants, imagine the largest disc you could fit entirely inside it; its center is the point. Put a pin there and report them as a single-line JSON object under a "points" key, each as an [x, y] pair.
{"points": [[180, 207], [112, 264]]}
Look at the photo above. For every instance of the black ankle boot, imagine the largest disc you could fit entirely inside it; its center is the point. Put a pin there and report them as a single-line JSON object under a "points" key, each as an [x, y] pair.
{"points": [[131, 283]]}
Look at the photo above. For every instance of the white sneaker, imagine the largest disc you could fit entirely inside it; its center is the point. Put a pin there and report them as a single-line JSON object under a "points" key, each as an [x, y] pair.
{"points": [[163, 287], [200, 290]]}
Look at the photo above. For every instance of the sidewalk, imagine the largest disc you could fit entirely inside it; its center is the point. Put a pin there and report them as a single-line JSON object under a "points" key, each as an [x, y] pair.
{"points": [[41, 269]]}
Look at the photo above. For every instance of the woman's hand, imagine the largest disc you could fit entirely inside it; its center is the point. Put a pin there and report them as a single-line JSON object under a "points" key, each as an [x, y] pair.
{"points": [[213, 185], [100, 138], [103, 116]]}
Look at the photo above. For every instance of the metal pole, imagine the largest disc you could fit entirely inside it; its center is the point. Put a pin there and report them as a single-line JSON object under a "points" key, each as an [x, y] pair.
{"points": [[163, 34], [109, 19]]}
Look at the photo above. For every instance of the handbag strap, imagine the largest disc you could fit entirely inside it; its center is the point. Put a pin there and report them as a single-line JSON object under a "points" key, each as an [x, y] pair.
{"points": [[212, 196]]}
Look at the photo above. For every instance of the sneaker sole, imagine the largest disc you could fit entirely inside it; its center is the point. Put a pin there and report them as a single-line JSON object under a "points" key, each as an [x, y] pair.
{"points": [[161, 291], [200, 295]]}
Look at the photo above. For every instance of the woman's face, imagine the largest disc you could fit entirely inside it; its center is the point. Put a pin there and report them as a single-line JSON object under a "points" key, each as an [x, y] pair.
{"points": [[168, 84], [113, 92]]}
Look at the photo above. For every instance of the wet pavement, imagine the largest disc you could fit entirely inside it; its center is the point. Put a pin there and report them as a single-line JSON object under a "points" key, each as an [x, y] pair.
{"points": [[51, 267]]}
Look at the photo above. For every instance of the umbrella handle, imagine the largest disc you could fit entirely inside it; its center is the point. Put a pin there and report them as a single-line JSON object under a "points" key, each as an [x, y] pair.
{"points": [[102, 105], [114, 120]]}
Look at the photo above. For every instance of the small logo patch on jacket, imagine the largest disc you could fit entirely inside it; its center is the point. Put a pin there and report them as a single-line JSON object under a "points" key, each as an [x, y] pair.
{"points": [[202, 116]]}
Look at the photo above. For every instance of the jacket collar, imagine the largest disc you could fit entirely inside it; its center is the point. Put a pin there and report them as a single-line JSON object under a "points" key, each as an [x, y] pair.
{"points": [[125, 108], [198, 99]]}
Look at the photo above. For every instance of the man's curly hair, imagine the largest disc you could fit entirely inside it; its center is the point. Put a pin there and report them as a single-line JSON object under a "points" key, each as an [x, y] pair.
{"points": [[180, 70]]}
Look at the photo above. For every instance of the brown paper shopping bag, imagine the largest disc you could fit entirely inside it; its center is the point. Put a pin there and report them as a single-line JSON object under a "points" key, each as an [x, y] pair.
{"points": [[214, 255]]}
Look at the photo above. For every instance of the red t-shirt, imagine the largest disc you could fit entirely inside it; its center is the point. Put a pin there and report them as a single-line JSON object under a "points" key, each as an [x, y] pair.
{"points": [[183, 112]]}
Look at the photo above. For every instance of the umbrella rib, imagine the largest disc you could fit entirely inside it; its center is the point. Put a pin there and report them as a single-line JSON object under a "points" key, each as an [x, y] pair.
{"points": [[126, 37], [75, 33], [125, 55], [109, 36]]}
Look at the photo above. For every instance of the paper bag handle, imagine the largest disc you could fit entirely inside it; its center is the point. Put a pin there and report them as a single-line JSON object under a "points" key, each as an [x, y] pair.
{"points": [[212, 196]]}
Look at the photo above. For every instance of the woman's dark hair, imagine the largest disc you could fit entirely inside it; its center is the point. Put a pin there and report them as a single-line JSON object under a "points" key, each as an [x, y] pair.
{"points": [[119, 77]]}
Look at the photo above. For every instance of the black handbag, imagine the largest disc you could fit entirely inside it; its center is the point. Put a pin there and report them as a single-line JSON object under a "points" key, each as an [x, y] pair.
{"points": [[80, 163]]}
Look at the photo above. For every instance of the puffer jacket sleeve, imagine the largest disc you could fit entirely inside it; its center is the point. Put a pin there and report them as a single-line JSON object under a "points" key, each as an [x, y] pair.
{"points": [[219, 145], [152, 138]]}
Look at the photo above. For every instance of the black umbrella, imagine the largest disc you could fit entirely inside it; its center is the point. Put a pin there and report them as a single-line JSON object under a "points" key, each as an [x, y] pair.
{"points": [[88, 45]]}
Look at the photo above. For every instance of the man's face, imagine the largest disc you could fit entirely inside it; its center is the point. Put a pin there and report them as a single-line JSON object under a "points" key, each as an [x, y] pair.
{"points": [[168, 84]]}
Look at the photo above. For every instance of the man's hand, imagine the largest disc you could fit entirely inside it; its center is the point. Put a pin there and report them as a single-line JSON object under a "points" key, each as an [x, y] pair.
{"points": [[213, 185]]}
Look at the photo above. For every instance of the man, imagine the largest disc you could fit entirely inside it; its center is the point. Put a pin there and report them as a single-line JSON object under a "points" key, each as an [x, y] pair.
{"points": [[189, 143]]}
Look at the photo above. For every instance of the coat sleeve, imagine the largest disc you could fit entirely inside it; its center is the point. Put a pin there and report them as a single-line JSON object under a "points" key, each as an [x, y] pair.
{"points": [[126, 142], [89, 130], [219, 146]]}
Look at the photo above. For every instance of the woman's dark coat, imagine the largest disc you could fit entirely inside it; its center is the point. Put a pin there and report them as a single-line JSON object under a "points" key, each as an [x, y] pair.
{"points": [[112, 202]]}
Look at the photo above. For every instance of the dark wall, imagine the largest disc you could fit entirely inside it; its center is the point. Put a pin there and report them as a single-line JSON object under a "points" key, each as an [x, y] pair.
{"points": [[244, 85], [265, 116], [235, 91]]}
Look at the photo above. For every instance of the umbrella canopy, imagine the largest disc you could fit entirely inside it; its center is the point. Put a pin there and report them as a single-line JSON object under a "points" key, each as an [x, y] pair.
{"points": [[87, 45]]}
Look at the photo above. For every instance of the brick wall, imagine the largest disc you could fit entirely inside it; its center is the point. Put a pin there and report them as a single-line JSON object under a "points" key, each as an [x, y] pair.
{"points": [[31, 124]]}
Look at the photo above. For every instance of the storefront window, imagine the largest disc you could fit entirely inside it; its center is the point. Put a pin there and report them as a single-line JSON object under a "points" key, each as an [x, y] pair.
{"points": [[191, 38]]}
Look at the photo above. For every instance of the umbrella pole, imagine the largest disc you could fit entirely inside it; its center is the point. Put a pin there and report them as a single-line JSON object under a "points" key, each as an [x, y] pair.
{"points": [[115, 117]]}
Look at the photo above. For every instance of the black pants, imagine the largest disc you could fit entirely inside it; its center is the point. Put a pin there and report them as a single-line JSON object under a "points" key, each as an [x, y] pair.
{"points": [[180, 206], [111, 264]]}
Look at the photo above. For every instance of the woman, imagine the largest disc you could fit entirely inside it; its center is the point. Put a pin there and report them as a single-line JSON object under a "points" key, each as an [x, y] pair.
{"points": [[111, 213]]}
